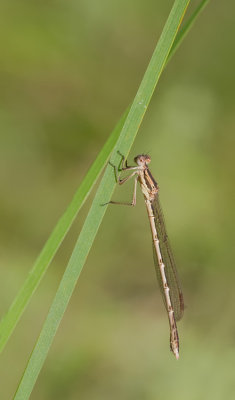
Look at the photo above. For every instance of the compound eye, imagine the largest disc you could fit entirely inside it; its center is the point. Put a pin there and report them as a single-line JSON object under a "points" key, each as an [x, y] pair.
{"points": [[148, 159]]}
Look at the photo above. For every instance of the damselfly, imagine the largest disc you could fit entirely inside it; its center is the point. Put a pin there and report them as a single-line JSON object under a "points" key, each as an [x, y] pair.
{"points": [[163, 257]]}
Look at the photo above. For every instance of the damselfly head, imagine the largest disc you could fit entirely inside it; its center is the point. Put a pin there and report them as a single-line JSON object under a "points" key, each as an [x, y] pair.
{"points": [[142, 159]]}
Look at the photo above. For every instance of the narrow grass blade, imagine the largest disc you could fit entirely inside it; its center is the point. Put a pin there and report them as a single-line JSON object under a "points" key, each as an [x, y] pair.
{"points": [[186, 28], [103, 195]]}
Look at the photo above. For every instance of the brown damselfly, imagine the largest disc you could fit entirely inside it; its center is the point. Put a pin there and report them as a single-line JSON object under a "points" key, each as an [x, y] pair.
{"points": [[163, 257]]}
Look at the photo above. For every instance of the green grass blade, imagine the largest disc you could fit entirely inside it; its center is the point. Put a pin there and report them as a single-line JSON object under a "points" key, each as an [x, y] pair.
{"points": [[9, 321], [186, 28], [103, 195]]}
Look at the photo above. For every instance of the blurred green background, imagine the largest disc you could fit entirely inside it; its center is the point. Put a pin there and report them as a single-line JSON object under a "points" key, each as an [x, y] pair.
{"points": [[68, 70]]}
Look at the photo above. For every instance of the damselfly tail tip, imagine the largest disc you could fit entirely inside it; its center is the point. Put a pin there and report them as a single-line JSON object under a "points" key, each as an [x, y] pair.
{"points": [[176, 353]]}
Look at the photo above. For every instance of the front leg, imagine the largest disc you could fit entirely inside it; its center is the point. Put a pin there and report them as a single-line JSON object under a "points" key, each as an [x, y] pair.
{"points": [[124, 180], [123, 164], [120, 182], [121, 168]]}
